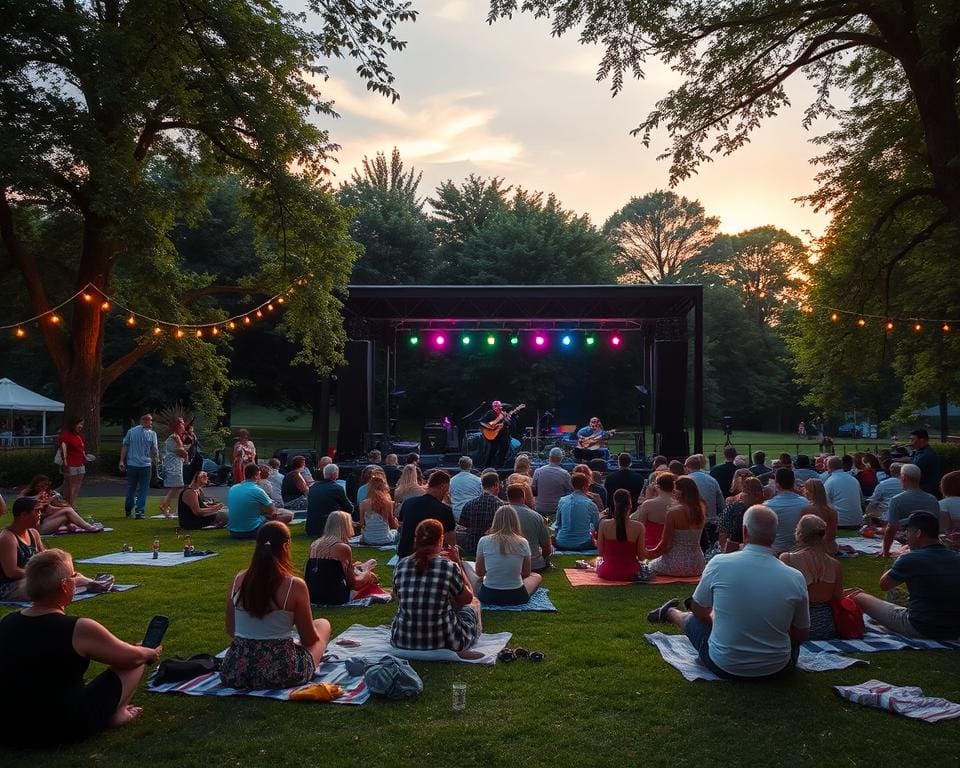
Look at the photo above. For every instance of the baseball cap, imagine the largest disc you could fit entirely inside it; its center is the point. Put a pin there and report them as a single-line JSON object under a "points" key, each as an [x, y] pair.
{"points": [[925, 522]]}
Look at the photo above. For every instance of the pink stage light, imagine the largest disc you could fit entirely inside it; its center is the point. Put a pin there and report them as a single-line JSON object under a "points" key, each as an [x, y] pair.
{"points": [[615, 340], [539, 340], [439, 340]]}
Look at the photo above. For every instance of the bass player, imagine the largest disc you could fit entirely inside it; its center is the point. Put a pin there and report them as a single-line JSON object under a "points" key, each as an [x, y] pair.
{"points": [[592, 441]]}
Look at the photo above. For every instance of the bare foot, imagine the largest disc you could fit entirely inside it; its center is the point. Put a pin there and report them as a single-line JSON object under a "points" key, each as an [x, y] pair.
{"points": [[470, 655], [125, 715]]}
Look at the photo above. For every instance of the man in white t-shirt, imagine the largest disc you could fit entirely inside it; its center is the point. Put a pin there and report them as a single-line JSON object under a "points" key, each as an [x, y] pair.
{"points": [[464, 486], [750, 612], [788, 506]]}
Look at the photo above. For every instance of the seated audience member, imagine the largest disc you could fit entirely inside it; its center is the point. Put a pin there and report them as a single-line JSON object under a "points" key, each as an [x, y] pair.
{"points": [[525, 482], [625, 477], [269, 488], [374, 456], [477, 514], [620, 541], [275, 477], [736, 485], [550, 483], [844, 494], [749, 613], [659, 462], [679, 553], [408, 485], [885, 490], [428, 506], [44, 697], [249, 507], [265, 604], [911, 499], [503, 571], [723, 473], [194, 510], [522, 465], [391, 468], [368, 471], [54, 510], [708, 487], [532, 526], [464, 486], [653, 512], [378, 523], [789, 507], [818, 504], [932, 575], [950, 506], [740, 462], [332, 576], [19, 543], [597, 499], [676, 467], [759, 466], [436, 607], [294, 488], [823, 574], [598, 471], [324, 497], [731, 521], [867, 474], [802, 469], [577, 516]]}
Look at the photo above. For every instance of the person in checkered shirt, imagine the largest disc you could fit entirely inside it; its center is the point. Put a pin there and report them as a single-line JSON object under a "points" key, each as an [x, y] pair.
{"points": [[477, 514], [436, 607]]}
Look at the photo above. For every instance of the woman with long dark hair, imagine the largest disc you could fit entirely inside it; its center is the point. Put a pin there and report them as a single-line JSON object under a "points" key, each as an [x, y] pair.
{"points": [[620, 541], [266, 602], [679, 553], [436, 607]]}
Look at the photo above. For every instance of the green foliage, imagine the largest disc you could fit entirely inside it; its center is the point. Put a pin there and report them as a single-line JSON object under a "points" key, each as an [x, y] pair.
{"points": [[20, 466], [949, 455], [655, 235]]}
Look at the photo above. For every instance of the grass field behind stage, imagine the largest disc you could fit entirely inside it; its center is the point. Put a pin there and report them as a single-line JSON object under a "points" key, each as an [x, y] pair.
{"points": [[602, 697]]}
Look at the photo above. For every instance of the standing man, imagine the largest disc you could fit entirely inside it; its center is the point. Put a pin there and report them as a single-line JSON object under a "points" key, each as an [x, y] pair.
{"points": [[723, 473], [844, 493], [498, 447], [926, 458], [550, 483], [138, 454], [624, 477]]}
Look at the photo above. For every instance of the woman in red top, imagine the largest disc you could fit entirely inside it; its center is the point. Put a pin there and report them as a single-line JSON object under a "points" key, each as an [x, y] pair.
{"points": [[620, 541], [73, 455]]}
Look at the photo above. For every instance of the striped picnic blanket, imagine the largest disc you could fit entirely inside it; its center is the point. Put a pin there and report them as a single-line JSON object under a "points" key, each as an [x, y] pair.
{"points": [[355, 689], [908, 701], [539, 601]]}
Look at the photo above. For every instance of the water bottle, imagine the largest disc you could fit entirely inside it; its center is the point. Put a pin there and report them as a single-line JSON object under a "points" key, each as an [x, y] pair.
{"points": [[156, 547], [187, 545]]}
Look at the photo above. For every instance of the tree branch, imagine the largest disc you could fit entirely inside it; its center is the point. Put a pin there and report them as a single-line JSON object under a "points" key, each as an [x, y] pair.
{"points": [[119, 366], [213, 290]]}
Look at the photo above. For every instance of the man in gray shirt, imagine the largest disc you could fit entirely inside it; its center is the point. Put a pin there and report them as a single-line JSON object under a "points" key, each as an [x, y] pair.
{"points": [[550, 483], [912, 499], [533, 527], [137, 455], [709, 488]]}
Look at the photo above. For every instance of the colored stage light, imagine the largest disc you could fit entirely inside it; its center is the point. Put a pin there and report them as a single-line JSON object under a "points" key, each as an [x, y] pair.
{"points": [[615, 340], [539, 340], [439, 340], [514, 340], [591, 340], [414, 340], [566, 340], [491, 340], [465, 340]]}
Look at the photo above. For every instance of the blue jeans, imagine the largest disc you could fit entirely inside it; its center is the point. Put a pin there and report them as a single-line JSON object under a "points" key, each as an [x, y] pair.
{"points": [[138, 483], [698, 632]]}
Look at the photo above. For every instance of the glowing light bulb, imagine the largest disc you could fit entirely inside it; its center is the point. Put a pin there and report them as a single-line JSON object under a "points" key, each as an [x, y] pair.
{"points": [[414, 340], [539, 340], [105, 306], [131, 321], [566, 341], [439, 339], [55, 318], [491, 340], [861, 322], [19, 333], [615, 340]]}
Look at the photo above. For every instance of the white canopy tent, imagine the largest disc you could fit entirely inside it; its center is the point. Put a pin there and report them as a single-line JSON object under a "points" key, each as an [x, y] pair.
{"points": [[13, 397]]}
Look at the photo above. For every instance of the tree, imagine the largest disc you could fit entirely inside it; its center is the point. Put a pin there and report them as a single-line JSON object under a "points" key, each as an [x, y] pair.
{"points": [[389, 223], [764, 265], [103, 103], [736, 55], [656, 234]]}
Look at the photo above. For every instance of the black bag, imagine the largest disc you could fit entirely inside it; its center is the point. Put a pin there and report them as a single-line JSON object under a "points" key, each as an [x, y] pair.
{"points": [[176, 669]]}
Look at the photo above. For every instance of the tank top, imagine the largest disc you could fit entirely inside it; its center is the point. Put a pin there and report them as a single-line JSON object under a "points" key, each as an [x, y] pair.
{"points": [[326, 581], [276, 625], [619, 560], [24, 553], [186, 518], [288, 488], [375, 530]]}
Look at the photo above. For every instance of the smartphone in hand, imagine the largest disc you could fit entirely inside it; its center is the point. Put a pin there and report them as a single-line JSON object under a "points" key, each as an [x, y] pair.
{"points": [[156, 629]]}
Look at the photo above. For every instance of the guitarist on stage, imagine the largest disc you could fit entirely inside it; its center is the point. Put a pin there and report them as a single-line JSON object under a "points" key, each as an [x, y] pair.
{"points": [[495, 453], [592, 441]]}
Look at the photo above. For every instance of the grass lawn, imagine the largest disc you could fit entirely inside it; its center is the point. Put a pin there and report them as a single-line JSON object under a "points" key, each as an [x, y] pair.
{"points": [[602, 697]]}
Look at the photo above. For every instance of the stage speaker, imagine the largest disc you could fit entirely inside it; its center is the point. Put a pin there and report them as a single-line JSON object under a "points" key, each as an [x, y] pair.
{"points": [[669, 396], [373, 440], [355, 397], [437, 437]]}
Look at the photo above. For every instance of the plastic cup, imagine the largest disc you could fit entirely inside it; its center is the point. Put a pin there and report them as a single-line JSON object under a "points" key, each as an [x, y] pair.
{"points": [[459, 703]]}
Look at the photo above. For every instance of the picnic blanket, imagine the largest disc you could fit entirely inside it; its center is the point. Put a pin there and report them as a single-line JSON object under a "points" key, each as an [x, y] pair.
{"points": [[77, 597], [70, 531], [164, 560], [587, 552], [356, 542], [677, 651], [539, 601], [878, 638], [583, 577], [374, 643], [867, 546], [908, 701], [329, 671]]}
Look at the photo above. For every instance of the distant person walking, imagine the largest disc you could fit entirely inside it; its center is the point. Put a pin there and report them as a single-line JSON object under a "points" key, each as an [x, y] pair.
{"points": [[137, 455]]}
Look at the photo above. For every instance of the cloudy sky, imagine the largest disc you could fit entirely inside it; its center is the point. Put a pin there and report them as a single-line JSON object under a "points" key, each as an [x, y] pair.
{"points": [[511, 101]]}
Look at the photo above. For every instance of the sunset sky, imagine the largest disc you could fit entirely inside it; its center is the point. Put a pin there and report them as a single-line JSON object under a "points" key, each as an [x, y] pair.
{"points": [[511, 101]]}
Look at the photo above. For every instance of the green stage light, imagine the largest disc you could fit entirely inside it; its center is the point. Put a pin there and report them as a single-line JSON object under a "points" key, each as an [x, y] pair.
{"points": [[491, 340], [591, 341], [514, 340], [414, 340], [465, 340]]}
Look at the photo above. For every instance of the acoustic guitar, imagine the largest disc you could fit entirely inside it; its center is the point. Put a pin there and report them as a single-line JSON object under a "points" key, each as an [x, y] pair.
{"points": [[596, 438], [491, 430]]}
